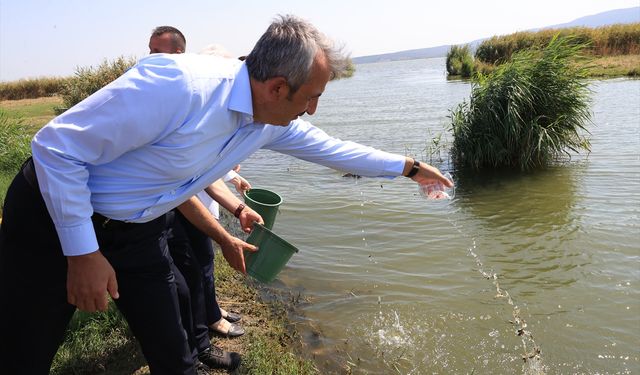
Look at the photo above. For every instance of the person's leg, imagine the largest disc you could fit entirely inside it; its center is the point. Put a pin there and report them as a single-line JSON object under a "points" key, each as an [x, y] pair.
{"points": [[148, 294], [204, 254], [182, 254], [34, 313], [182, 251]]}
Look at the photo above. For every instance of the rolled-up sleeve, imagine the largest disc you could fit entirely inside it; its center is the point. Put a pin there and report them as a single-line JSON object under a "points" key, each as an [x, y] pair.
{"points": [[305, 141], [137, 109]]}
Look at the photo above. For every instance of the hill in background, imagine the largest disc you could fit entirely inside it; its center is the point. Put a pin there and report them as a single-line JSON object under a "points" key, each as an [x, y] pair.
{"points": [[627, 15]]}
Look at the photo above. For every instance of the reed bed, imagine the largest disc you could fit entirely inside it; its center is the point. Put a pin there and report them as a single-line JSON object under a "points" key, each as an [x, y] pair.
{"points": [[619, 39], [31, 88]]}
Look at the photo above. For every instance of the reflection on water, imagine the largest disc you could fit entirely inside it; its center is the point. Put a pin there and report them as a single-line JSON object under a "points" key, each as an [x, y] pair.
{"points": [[393, 283]]}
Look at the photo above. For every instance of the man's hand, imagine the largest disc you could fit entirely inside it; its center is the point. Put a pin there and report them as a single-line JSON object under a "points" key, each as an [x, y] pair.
{"points": [[233, 251], [248, 217], [89, 278], [241, 184], [427, 174]]}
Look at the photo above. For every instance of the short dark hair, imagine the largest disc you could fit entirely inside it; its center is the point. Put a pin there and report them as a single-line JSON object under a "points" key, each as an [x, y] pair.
{"points": [[178, 39]]}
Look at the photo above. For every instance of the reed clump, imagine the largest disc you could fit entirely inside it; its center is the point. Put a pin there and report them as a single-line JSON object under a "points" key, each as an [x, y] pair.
{"points": [[88, 80], [460, 61], [529, 111]]}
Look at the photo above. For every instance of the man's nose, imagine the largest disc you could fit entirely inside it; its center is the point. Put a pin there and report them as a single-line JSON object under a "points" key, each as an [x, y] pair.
{"points": [[311, 109]]}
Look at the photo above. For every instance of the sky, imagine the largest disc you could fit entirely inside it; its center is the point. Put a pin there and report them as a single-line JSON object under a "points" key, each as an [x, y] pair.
{"points": [[47, 38]]}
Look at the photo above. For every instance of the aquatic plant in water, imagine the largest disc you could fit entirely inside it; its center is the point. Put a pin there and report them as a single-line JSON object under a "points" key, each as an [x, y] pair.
{"points": [[528, 112]]}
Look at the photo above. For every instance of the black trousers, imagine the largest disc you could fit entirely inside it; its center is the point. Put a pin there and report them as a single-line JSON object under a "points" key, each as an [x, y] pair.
{"points": [[193, 252], [34, 312]]}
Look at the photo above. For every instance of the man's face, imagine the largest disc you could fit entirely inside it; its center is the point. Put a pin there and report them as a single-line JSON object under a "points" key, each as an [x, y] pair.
{"points": [[305, 100], [162, 44]]}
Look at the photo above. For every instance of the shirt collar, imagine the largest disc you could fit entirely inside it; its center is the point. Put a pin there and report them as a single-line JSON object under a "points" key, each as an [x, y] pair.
{"points": [[240, 97]]}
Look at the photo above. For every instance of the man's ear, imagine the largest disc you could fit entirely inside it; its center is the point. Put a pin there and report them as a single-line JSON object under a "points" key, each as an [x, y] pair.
{"points": [[277, 88]]}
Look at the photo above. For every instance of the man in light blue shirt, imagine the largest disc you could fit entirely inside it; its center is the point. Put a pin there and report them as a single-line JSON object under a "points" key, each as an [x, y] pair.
{"points": [[92, 220]]}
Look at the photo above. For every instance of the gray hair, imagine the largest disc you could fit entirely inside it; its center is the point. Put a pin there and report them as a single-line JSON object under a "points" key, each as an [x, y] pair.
{"points": [[288, 48]]}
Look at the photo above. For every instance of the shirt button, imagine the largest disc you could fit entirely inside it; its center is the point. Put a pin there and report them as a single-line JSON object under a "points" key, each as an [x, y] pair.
{"points": [[173, 192]]}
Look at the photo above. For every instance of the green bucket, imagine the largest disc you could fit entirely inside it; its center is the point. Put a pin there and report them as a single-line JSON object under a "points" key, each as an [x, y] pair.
{"points": [[265, 203], [272, 255]]}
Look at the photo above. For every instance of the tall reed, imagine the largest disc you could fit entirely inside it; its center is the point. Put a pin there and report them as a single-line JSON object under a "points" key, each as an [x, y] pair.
{"points": [[15, 143], [460, 61], [88, 80], [526, 113]]}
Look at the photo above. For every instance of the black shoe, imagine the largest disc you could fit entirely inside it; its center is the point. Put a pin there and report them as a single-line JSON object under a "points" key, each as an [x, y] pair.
{"points": [[231, 316], [215, 357], [202, 369], [234, 330]]}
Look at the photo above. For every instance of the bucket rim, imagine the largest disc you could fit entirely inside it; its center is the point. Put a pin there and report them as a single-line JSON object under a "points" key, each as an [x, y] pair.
{"points": [[262, 203]]}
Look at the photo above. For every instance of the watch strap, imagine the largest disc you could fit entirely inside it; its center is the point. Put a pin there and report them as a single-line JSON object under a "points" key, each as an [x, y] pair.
{"points": [[414, 169]]}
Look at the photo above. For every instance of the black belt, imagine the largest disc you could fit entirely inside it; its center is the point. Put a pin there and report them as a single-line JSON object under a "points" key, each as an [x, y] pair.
{"points": [[108, 223], [29, 173]]}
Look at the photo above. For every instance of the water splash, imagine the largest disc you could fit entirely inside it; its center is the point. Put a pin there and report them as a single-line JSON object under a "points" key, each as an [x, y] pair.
{"points": [[532, 356]]}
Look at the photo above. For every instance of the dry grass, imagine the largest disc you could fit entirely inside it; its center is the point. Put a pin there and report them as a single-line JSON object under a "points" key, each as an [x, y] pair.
{"points": [[616, 66]]}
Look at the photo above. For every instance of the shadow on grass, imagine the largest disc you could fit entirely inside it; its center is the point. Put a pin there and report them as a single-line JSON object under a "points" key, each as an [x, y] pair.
{"points": [[98, 343]]}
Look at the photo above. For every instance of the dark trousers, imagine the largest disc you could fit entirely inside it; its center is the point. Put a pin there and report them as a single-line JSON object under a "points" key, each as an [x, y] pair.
{"points": [[193, 252], [35, 313]]}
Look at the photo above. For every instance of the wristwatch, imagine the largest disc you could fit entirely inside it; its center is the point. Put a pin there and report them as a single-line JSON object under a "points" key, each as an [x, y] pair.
{"points": [[414, 169], [239, 210]]}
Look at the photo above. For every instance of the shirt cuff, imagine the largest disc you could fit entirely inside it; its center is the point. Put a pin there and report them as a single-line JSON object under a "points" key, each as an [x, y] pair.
{"points": [[78, 240], [229, 176], [394, 165]]}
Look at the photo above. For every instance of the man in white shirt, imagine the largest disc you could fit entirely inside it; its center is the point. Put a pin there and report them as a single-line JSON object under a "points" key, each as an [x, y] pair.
{"points": [[88, 216]]}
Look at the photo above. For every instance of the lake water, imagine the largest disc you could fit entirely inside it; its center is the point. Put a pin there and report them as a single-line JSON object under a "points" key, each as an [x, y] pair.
{"points": [[543, 264]]}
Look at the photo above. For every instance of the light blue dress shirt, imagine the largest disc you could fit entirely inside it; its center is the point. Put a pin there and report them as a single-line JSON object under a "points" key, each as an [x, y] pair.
{"points": [[160, 134]]}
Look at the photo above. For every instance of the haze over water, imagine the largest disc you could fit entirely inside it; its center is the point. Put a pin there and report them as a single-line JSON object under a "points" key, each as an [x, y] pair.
{"points": [[393, 283]]}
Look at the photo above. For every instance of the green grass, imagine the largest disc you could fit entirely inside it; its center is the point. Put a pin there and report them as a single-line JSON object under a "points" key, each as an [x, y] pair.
{"points": [[263, 359], [33, 113], [98, 342], [15, 148]]}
